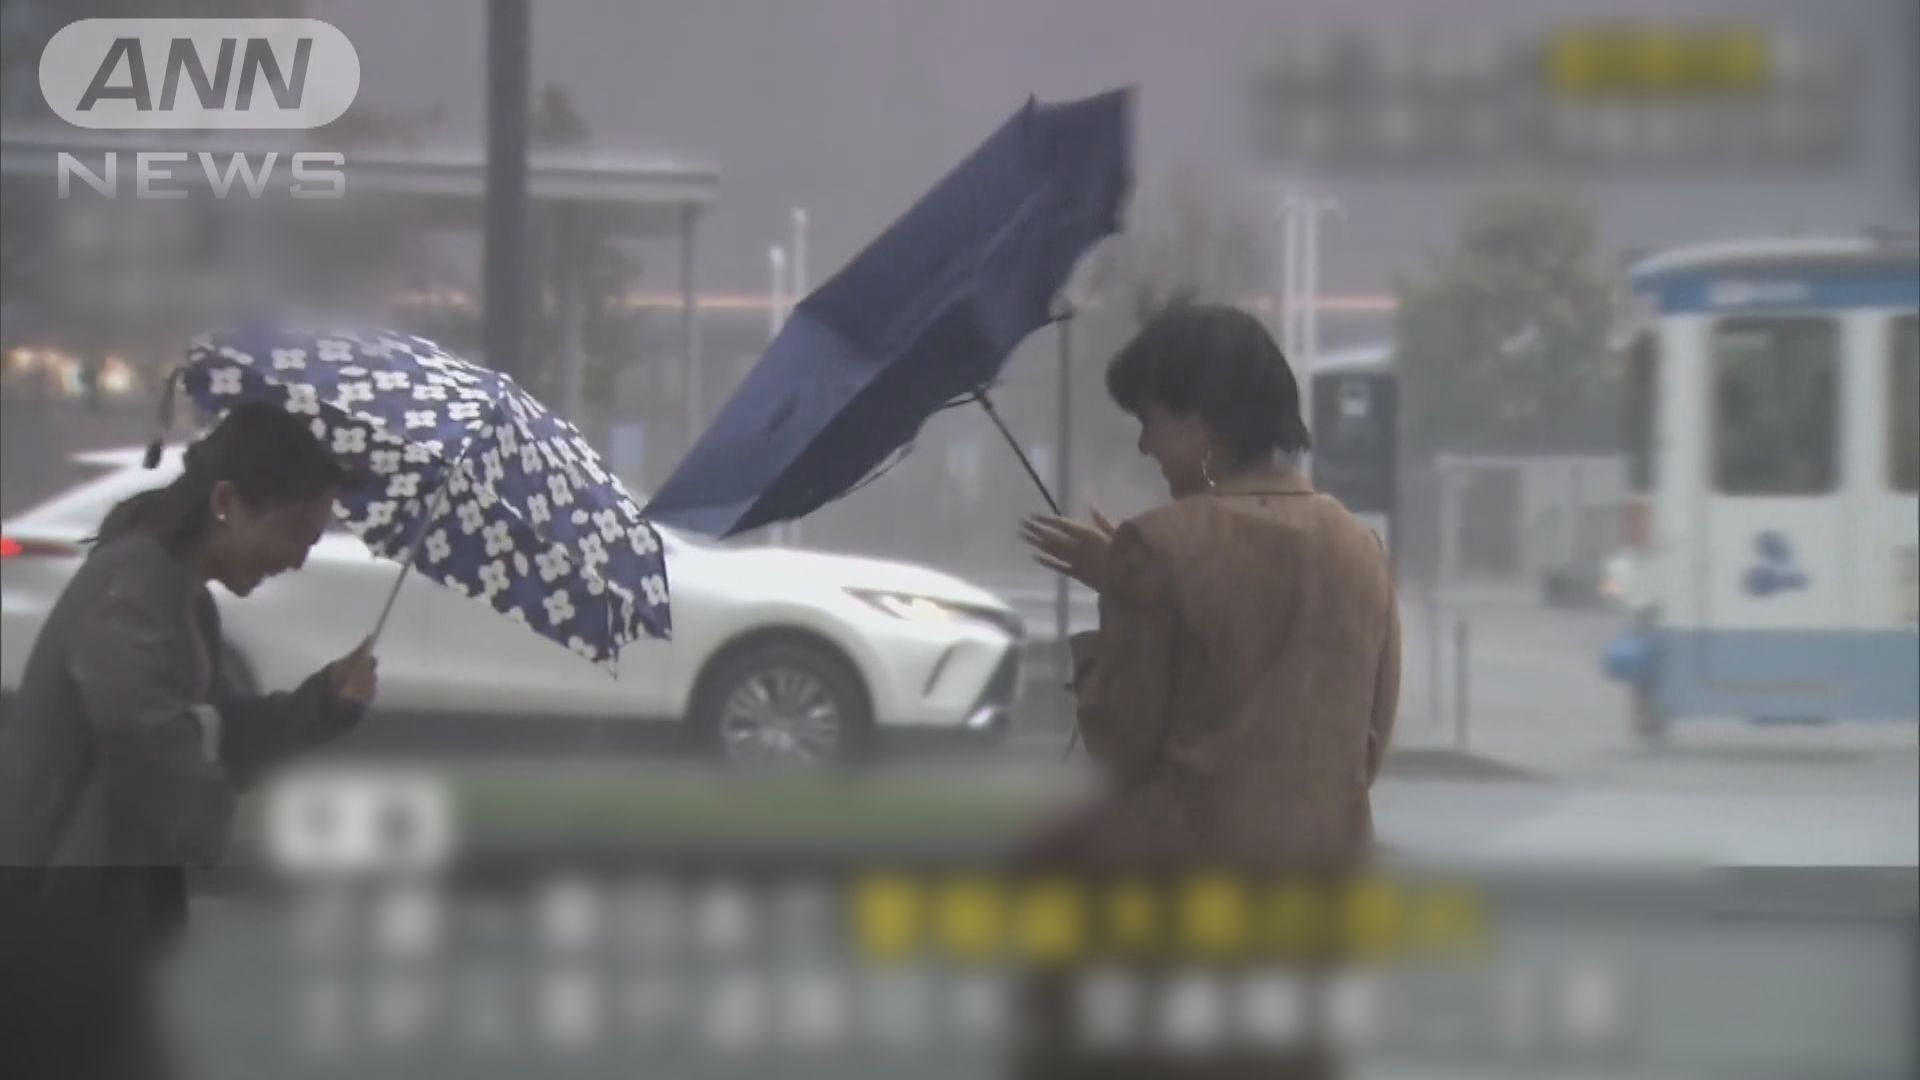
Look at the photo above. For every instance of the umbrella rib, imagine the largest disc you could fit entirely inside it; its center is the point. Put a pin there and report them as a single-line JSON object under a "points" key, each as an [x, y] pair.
{"points": [[434, 510], [993, 414]]}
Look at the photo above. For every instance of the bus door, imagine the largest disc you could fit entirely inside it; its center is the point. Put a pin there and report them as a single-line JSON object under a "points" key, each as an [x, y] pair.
{"points": [[1778, 534], [1887, 545]]}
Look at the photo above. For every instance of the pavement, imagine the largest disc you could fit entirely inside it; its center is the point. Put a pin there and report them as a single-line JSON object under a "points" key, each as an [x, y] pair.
{"points": [[1522, 751], [1544, 767], [1519, 657]]}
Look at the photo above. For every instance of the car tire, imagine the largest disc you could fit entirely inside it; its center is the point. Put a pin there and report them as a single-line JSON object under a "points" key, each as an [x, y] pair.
{"points": [[754, 701]]}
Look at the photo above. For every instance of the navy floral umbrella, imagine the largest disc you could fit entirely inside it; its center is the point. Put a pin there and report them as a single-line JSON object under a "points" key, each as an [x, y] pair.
{"points": [[469, 479]]}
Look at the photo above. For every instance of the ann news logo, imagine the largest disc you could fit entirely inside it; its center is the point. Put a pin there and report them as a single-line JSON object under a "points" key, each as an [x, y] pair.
{"points": [[151, 75]]}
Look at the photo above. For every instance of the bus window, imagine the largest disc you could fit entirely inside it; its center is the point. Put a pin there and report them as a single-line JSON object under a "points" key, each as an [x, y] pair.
{"points": [[1640, 398], [1775, 385], [1903, 396]]}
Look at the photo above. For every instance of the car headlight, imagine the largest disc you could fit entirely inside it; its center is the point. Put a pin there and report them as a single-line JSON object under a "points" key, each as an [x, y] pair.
{"points": [[908, 606], [916, 608]]}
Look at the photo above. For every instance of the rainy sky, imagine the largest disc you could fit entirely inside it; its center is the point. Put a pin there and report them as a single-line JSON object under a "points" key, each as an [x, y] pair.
{"points": [[851, 107]]}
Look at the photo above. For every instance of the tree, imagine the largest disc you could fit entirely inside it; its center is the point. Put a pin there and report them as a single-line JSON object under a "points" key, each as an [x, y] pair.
{"points": [[585, 259], [610, 334], [1501, 344], [554, 120], [1199, 244]]}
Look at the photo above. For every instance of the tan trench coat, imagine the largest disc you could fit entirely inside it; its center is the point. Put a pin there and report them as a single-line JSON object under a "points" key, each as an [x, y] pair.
{"points": [[1238, 697], [1241, 689]]}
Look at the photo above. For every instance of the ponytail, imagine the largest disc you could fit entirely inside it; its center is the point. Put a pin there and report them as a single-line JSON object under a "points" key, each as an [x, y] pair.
{"points": [[266, 453], [177, 514]]}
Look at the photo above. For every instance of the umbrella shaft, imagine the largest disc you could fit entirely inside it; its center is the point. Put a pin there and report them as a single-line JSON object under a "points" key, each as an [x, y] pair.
{"points": [[993, 414], [413, 549]]}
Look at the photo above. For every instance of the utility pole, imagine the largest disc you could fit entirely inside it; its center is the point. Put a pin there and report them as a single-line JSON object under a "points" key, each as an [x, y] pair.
{"points": [[509, 24], [776, 290], [1063, 479], [1299, 285], [799, 290], [1287, 277], [796, 291], [776, 318]]}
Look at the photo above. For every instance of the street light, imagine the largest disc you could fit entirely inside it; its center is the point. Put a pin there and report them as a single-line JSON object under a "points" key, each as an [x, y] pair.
{"points": [[795, 279], [799, 257], [776, 290], [1300, 279]]}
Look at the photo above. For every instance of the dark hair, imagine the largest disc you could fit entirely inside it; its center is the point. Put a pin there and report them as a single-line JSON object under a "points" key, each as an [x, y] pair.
{"points": [[1220, 363], [267, 454]]}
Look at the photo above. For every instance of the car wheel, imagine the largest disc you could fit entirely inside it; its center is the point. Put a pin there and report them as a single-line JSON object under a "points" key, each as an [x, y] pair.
{"points": [[783, 701]]}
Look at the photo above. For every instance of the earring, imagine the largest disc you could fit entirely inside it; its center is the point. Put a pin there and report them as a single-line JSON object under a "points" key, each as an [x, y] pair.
{"points": [[1206, 470]]}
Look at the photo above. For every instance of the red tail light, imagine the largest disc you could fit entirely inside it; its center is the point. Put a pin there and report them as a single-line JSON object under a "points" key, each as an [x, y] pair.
{"points": [[11, 548]]}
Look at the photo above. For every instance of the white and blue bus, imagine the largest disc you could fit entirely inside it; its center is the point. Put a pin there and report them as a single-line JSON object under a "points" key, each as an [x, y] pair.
{"points": [[1773, 439]]}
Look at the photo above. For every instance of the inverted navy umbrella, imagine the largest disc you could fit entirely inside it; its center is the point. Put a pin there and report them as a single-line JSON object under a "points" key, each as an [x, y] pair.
{"points": [[469, 479], [924, 318]]}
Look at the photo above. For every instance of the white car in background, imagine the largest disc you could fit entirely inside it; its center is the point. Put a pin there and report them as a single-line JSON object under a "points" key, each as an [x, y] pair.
{"points": [[776, 653]]}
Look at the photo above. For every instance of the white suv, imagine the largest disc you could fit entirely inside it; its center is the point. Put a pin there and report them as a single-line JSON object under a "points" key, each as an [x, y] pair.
{"points": [[776, 653]]}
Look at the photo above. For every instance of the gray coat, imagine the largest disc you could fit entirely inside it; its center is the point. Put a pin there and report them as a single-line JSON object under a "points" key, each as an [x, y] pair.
{"points": [[102, 760]]}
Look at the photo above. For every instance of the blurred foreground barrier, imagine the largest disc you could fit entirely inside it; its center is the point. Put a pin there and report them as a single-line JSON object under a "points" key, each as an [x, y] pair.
{"points": [[1204, 918], [359, 821]]}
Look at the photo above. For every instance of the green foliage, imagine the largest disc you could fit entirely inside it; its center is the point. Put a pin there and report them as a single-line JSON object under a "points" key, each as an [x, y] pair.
{"points": [[598, 268], [1501, 344], [1197, 243]]}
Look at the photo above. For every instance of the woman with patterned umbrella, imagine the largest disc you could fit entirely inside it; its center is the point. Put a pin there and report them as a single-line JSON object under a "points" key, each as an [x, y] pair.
{"points": [[471, 480], [126, 749]]}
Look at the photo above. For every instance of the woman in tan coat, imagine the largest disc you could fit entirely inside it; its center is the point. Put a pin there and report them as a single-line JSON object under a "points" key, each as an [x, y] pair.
{"points": [[1240, 692]]}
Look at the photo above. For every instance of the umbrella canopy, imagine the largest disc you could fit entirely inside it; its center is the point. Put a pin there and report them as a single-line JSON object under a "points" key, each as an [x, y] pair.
{"points": [[925, 316], [470, 480]]}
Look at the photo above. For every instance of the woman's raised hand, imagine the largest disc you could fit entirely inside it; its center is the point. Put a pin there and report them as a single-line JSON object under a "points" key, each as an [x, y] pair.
{"points": [[1074, 548]]}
